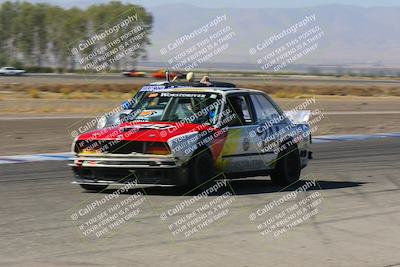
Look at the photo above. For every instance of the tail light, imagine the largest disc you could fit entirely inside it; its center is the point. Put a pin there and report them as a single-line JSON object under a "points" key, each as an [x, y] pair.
{"points": [[157, 148]]}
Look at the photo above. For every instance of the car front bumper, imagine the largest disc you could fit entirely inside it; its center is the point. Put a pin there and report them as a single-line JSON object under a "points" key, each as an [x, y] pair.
{"points": [[123, 169]]}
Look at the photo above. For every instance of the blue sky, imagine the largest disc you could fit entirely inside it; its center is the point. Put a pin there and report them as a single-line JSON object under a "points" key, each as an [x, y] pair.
{"points": [[231, 3]]}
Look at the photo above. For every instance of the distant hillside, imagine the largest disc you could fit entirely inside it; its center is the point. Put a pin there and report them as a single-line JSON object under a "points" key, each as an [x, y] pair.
{"points": [[352, 34]]}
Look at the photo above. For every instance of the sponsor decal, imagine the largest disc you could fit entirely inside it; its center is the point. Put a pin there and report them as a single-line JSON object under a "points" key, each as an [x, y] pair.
{"points": [[148, 126], [89, 152], [152, 95], [146, 113], [183, 95], [150, 88]]}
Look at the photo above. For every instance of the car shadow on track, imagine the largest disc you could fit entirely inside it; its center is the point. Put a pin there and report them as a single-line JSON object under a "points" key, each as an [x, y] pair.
{"points": [[244, 187], [249, 187]]}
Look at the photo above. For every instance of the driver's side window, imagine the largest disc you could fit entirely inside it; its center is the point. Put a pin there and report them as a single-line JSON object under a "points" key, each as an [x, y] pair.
{"points": [[237, 111]]}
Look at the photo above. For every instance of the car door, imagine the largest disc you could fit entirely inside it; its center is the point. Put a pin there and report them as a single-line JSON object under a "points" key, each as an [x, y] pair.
{"points": [[240, 153], [271, 125], [10, 71]]}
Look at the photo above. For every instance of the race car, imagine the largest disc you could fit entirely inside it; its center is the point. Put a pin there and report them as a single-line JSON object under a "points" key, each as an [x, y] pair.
{"points": [[160, 74], [134, 73], [186, 136]]}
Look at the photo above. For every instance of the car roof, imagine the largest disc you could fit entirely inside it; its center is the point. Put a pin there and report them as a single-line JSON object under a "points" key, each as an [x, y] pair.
{"points": [[196, 86], [180, 83], [221, 90]]}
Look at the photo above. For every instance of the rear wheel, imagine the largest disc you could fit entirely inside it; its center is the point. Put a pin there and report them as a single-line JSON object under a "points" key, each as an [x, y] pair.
{"points": [[201, 169], [94, 188], [287, 169]]}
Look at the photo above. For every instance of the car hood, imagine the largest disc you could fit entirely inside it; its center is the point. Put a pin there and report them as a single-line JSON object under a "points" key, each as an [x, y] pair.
{"points": [[145, 131]]}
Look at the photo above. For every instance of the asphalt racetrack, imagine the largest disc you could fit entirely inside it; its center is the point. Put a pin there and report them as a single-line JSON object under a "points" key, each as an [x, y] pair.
{"points": [[356, 223]]}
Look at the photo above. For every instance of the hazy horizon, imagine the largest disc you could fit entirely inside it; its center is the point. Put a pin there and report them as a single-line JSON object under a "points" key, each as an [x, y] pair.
{"points": [[228, 3]]}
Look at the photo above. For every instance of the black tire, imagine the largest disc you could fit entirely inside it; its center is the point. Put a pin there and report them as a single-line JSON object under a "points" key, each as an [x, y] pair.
{"points": [[287, 169], [201, 169], [94, 188]]}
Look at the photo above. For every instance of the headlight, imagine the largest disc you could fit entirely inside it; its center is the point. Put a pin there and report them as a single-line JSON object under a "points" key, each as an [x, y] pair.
{"points": [[101, 123]]}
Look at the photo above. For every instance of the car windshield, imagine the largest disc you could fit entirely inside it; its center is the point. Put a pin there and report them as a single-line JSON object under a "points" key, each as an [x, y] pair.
{"points": [[200, 108]]}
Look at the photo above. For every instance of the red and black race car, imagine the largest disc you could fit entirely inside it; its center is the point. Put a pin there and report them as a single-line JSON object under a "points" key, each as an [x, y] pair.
{"points": [[134, 73], [161, 74], [185, 136]]}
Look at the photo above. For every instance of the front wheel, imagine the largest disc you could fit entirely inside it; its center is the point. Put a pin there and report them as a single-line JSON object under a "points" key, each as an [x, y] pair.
{"points": [[94, 188], [201, 169], [287, 169]]}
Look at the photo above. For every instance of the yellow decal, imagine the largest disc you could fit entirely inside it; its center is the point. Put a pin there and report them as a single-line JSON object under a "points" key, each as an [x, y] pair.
{"points": [[231, 145], [90, 152]]}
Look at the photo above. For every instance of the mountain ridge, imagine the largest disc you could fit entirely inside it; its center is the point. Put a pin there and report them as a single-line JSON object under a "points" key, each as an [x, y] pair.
{"points": [[353, 34]]}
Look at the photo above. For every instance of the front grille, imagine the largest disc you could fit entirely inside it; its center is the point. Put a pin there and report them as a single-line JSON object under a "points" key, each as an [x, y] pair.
{"points": [[109, 146], [121, 147]]}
